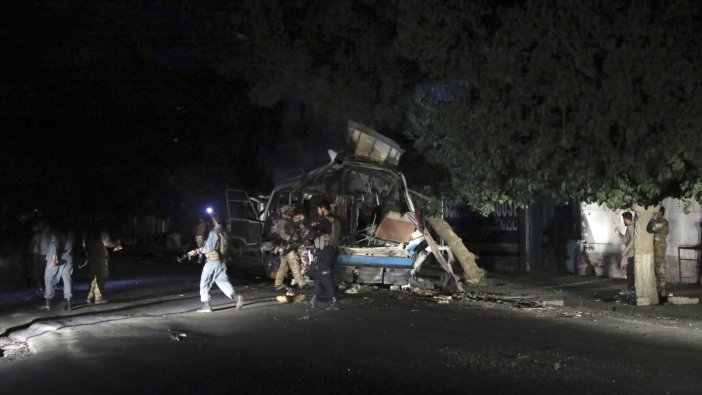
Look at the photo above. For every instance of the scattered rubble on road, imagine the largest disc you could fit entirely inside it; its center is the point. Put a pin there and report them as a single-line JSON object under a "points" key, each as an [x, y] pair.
{"points": [[290, 297], [426, 288], [517, 301], [682, 300], [178, 335], [11, 350]]}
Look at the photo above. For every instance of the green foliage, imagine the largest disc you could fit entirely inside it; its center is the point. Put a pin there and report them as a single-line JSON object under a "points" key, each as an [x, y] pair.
{"points": [[591, 101], [594, 101], [335, 56]]}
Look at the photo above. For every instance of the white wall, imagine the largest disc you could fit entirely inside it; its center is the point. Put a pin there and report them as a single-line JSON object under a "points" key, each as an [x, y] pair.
{"points": [[599, 247]]}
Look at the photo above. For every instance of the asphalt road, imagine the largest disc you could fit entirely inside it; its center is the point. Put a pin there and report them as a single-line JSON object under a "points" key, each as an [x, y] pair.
{"points": [[150, 340]]}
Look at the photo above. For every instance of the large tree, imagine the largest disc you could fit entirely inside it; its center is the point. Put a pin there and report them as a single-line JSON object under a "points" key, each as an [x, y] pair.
{"points": [[593, 101], [337, 57]]}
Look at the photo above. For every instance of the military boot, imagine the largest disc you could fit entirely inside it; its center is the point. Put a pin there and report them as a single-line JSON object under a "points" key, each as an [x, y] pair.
{"points": [[47, 305], [313, 302], [206, 308], [334, 305], [68, 306]]}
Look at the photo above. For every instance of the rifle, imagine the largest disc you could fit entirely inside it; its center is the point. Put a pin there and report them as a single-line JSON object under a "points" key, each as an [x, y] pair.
{"points": [[291, 246], [185, 257]]}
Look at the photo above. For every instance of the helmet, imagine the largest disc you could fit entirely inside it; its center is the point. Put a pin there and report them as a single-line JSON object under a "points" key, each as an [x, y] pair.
{"points": [[287, 209]]}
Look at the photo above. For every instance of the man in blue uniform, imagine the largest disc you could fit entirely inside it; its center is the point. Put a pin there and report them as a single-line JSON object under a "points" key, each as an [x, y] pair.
{"points": [[59, 266], [215, 270]]}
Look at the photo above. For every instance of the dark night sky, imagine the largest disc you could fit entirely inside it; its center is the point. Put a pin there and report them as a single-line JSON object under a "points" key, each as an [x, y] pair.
{"points": [[120, 107], [100, 107]]}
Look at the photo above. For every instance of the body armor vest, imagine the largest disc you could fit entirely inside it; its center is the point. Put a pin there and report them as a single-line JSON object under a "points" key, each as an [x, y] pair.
{"points": [[327, 239]]}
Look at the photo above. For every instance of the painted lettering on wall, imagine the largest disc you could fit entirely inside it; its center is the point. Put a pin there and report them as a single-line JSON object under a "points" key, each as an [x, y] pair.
{"points": [[507, 216], [499, 227], [453, 209]]}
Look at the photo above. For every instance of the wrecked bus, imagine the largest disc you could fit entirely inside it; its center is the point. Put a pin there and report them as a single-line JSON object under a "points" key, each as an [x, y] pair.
{"points": [[369, 197]]}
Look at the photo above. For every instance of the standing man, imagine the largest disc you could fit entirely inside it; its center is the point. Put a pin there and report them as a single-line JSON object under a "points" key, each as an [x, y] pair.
{"points": [[628, 251], [59, 266], [302, 233], [326, 234], [96, 241], [215, 271], [289, 258], [39, 248], [660, 229]]}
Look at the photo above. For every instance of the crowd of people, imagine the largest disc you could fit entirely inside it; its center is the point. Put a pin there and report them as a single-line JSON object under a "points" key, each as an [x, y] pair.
{"points": [[51, 258], [308, 249], [55, 249]]}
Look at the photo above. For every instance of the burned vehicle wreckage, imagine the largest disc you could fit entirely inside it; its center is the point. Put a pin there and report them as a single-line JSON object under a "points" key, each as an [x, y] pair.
{"points": [[382, 238]]}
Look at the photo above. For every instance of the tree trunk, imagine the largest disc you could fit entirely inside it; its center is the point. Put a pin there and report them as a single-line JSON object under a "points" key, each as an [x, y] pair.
{"points": [[471, 272], [644, 274]]}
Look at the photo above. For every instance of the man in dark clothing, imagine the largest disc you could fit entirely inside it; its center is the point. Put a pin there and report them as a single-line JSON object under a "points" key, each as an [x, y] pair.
{"points": [[39, 247], [96, 241], [325, 232], [627, 240]]}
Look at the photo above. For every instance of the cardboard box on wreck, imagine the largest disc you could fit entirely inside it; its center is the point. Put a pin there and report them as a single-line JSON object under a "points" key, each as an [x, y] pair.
{"points": [[369, 144], [394, 228]]}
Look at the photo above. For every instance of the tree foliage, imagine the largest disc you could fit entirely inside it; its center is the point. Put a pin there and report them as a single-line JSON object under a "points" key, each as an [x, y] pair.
{"points": [[337, 57], [594, 101]]}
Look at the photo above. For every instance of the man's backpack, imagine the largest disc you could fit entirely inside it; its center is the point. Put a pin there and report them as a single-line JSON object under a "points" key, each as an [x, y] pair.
{"points": [[223, 247], [336, 231]]}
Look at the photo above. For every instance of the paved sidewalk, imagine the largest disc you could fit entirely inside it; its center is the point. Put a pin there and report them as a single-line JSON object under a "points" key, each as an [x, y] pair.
{"points": [[588, 292]]}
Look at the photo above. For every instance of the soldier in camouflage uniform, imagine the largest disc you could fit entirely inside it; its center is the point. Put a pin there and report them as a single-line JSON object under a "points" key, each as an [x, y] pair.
{"points": [[96, 241], [288, 259], [303, 251], [660, 229]]}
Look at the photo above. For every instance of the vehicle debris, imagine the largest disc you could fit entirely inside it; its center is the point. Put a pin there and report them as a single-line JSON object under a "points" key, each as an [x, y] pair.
{"points": [[442, 299], [290, 297], [355, 289], [516, 301], [682, 300], [383, 238], [178, 335]]}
